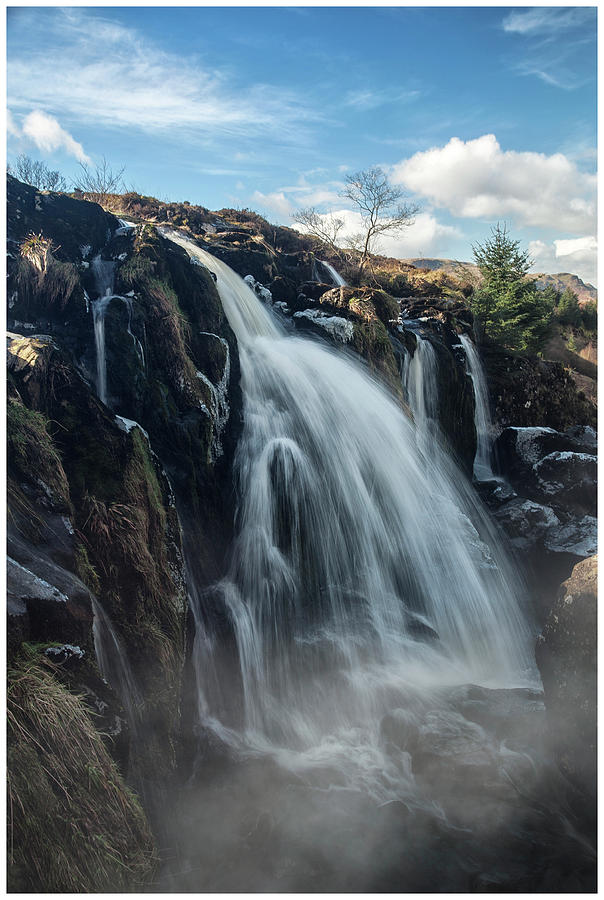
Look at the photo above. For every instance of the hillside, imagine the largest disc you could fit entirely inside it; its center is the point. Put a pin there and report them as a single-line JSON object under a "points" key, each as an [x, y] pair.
{"points": [[585, 292]]}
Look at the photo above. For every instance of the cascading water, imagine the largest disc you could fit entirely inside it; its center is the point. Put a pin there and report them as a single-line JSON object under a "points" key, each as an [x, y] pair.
{"points": [[114, 664], [482, 412], [104, 274], [366, 598], [360, 567], [420, 383], [333, 274], [99, 308]]}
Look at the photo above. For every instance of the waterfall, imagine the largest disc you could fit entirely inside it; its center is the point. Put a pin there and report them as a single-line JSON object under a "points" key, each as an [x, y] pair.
{"points": [[363, 570], [104, 275], [335, 276], [99, 308], [482, 412], [420, 384], [114, 665], [137, 344]]}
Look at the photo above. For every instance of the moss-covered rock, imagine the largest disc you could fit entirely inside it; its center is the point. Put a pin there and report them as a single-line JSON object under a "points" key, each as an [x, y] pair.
{"points": [[528, 391], [125, 536]]}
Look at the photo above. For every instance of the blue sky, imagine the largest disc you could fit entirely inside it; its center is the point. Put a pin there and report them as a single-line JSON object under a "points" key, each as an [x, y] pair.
{"points": [[480, 114]]}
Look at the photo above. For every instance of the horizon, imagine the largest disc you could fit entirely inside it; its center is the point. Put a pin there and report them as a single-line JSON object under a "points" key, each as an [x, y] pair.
{"points": [[270, 108]]}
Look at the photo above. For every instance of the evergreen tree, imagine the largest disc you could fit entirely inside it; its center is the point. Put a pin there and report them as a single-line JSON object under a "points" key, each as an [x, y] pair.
{"points": [[589, 315], [569, 311], [507, 306]]}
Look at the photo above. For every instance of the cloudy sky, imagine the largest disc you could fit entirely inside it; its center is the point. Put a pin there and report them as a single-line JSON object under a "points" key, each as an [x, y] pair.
{"points": [[479, 114]]}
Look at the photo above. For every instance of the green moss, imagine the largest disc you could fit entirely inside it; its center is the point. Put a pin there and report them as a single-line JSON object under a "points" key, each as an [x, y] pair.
{"points": [[32, 455], [73, 825], [85, 570], [136, 270], [142, 471], [371, 341]]}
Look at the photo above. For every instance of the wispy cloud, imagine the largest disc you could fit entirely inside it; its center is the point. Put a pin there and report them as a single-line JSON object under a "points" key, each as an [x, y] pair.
{"points": [[551, 41], [367, 98], [544, 20], [95, 71]]}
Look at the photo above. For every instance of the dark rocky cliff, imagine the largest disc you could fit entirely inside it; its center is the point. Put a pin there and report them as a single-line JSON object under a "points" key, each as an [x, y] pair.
{"points": [[94, 536], [119, 511]]}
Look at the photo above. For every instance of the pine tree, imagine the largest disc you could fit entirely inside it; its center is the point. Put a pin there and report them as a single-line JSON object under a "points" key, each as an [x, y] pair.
{"points": [[507, 306], [569, 311]]}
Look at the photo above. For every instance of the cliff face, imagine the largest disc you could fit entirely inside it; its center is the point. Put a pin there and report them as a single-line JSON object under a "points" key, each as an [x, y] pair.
{"points": [[120, 510], [567, 659], [95, 540]]}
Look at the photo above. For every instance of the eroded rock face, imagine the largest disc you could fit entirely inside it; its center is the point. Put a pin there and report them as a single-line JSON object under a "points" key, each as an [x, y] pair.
{"points": [[105, 525], [529, 392], [550, 515], [567, 658]]}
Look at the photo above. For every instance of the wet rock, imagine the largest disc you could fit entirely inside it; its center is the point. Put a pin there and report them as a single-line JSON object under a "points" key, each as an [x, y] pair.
{"points": [[314, 290], [548, 465], [449, 746], [568, 478], [57, 604], [337, 328], [567, 657], [527, 524], [503, 712]]}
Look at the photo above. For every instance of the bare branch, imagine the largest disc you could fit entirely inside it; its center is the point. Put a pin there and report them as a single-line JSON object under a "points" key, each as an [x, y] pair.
{"points": [[37, 173], [380, 206], [324, 227], [100, 182]]}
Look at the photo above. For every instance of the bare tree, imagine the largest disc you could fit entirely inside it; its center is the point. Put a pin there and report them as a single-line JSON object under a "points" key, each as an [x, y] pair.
{"points": [[381, 208], [37, 173], [324, 227], [100, 182]]}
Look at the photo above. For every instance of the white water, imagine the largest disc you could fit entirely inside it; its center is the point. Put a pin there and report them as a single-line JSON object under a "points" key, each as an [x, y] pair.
{"points": [[482, 412], [99, 308], [364, 574], [104, 274], [114, 665], [219, 398], [335, 276], [420, 383]]}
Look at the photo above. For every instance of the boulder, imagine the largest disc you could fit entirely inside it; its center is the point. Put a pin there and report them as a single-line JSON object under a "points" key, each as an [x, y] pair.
{"points": [[567, 657], [551, 467]]}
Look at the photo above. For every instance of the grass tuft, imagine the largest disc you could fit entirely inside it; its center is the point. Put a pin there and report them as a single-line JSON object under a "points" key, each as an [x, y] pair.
{"points": [[73, 825]]}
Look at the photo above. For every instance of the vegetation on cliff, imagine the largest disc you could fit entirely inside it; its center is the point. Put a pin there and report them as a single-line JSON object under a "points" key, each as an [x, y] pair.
{"points": [[73, 824]]}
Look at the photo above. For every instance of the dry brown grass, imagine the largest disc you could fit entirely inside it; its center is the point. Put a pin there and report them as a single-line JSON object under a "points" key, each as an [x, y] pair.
{"points": [[73, 825]]}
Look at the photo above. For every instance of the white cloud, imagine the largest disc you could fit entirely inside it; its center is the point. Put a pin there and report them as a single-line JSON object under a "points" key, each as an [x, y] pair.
{"points": [[48, 136], [97, 72], [276, 202], [425, 237], [578, 256], [286, 199], [477, 179], [546, 20]]}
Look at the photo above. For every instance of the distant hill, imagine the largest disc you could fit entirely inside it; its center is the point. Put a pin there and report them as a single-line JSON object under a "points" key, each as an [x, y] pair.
{"points": [[585, 292]]}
